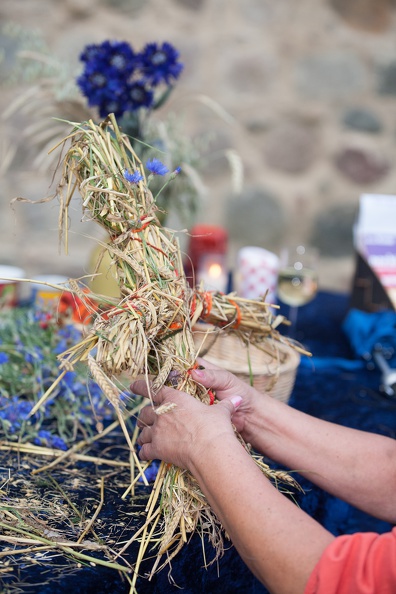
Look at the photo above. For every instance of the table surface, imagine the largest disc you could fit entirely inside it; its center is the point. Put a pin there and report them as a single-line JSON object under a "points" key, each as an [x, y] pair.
{"points": [[350, 398]]}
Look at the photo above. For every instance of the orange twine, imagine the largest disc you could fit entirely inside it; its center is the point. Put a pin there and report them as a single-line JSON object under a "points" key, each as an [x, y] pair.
{"points": [[238, 314], [208, 302], [195, 366], [143, 226]]}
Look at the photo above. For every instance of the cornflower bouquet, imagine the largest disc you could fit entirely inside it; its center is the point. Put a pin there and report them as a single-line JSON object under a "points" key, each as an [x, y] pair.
{"points": [[131, 85], [30, 341], [118, 80]]}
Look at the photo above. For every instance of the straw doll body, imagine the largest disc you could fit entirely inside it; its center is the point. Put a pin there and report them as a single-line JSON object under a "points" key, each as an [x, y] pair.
{"points": [[149, 330]]}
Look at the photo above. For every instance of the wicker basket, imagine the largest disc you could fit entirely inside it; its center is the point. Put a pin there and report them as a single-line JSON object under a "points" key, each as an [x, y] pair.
{"points": [[273, 372]]}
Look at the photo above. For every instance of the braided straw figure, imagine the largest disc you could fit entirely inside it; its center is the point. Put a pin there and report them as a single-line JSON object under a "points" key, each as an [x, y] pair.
{"points": [[149, 331]]}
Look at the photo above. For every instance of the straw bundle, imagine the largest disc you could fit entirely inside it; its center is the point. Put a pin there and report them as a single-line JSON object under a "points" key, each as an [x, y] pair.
{"points": [[150, 330]]}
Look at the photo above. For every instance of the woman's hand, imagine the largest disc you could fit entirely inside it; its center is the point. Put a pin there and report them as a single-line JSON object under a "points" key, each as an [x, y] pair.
{"points": [[225, 384], [183, 428]]}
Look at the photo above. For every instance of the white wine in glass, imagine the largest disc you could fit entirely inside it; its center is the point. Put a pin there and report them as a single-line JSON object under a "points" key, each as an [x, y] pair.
{"points": [[297, 278]]}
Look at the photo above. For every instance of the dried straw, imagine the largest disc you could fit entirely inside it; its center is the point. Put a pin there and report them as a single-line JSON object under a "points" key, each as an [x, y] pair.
{"points": [[149, 331]]}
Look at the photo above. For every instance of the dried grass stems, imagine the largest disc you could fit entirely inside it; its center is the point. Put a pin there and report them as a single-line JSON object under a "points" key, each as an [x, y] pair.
{"points": [[149, 331], [55, 517]]}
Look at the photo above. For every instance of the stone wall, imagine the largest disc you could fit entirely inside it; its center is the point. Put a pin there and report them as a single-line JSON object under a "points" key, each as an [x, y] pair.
{"points": [[309, 93]]}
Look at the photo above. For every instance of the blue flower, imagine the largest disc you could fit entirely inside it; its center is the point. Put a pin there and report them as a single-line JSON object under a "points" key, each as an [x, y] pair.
{"points": [[111, 55], [151, 472], [105, 81], [34, 355], [4, 358], [14, 412], [70, 333], [45, 438], [103, 90], [133, 178], [156, 167], [160, 63], [68, 380], [138, 95]]}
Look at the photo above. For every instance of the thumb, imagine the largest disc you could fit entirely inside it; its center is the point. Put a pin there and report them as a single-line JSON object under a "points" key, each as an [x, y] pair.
{"points": [[231, 403]]}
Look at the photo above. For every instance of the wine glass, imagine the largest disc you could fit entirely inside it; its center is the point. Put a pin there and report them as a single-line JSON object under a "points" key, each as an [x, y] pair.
{"points": [[297, 278]]}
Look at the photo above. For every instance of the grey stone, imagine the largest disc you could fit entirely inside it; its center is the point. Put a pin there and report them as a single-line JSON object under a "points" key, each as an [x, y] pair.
{"points": [[330, 75], [387, 79], [255, 218], [291, 146], [363, 120], [250, 73], [261, 12], [368, 15], [191, 4], [81, 9], [332, 231], [213, 159], [257, 125], [361, 166], [130, 6]]}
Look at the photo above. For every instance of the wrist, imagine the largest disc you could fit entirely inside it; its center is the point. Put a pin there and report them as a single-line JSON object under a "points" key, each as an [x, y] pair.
{"points": [[261, 421], [211, 449]]}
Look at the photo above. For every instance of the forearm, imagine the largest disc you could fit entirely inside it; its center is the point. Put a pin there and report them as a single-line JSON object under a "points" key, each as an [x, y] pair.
{"points": [[356, 466], [279, 542]]}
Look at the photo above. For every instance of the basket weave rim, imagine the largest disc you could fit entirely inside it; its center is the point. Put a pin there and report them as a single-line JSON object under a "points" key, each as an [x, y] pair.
{"points": [[271, 367]]}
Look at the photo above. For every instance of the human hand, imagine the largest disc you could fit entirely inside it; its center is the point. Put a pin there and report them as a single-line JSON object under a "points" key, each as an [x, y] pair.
{"points": [[184, 432], [225, 384]]}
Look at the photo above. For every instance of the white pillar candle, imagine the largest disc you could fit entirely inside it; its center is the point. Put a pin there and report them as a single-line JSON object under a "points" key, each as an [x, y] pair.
{"points": [[257, 273], [212, 272]]}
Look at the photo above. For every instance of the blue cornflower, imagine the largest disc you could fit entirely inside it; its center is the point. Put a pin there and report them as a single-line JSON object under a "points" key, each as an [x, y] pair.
{"points": [[14, 411], [160, 63], [4, 358], [151, 472], [34, 355], [45, 438], [91, 52], [70, 333], [156, 167], [105, 79], [120, 56], [58, 443], [114, 55], [133, 178], [110, 104], [138, 95], [68, 380], [61, 346], [102, 89]]}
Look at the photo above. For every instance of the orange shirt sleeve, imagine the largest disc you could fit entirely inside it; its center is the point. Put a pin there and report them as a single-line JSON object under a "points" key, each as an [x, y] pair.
{"points": [[361, 563]]}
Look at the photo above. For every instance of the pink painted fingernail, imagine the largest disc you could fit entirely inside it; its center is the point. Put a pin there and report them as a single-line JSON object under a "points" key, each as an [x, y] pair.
{"points": [[236, 400]]}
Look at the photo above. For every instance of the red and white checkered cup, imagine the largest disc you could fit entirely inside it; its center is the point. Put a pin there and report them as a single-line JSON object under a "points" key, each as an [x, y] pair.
{"points": [[257, 273]]}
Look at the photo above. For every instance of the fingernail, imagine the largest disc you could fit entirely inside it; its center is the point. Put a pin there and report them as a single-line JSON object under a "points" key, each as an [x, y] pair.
{"points": [[198, 372], [236, 400]]}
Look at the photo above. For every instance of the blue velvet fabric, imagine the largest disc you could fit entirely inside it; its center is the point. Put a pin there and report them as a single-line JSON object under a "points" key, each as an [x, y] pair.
{"points": [[335, 385]]}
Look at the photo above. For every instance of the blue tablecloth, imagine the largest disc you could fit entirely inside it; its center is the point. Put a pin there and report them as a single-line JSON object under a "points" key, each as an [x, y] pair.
{"points": [[345, 394]]}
